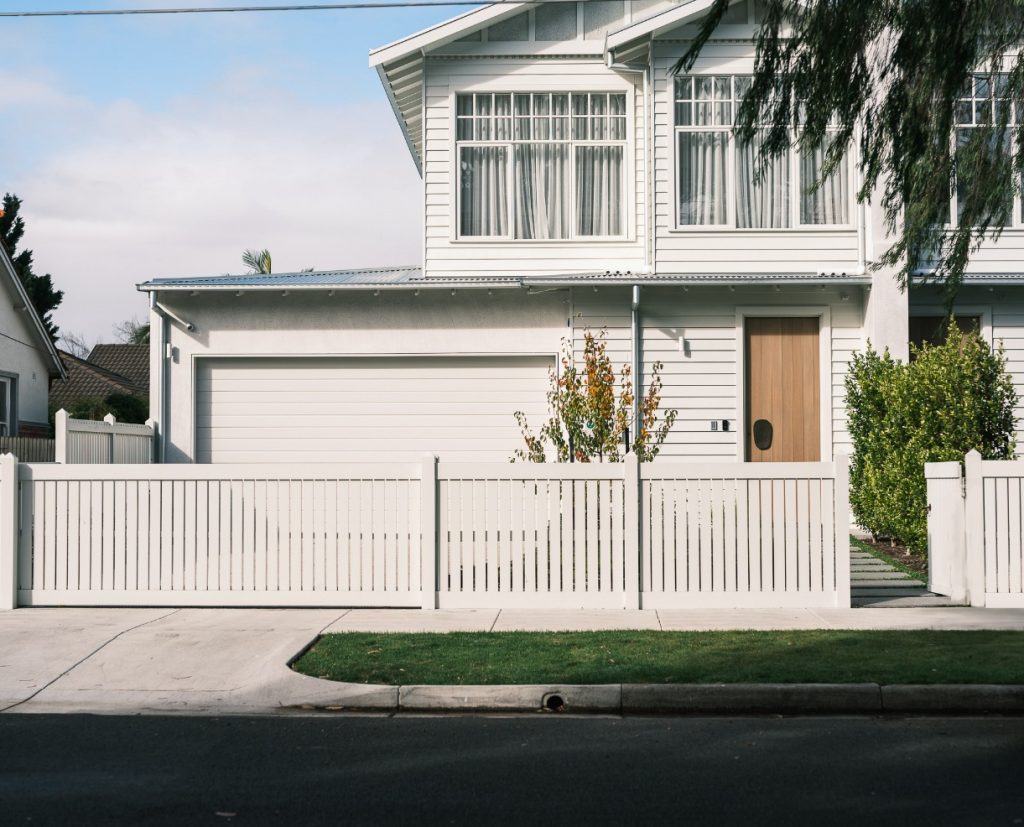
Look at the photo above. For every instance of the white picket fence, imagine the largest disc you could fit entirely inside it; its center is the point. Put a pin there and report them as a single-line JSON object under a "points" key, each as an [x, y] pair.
{"points": [[483, 535], [976, 531], [86, 441]]}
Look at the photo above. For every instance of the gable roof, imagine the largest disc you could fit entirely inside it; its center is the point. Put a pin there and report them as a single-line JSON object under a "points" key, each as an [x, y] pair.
{"points": [[130, 361], [35, 324], [84, 380]]}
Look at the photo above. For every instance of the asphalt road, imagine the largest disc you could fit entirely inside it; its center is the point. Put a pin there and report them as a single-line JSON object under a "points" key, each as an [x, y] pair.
{"points": [[537, 770]]}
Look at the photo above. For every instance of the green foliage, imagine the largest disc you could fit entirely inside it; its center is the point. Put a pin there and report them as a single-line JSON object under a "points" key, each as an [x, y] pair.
{"points": [[587, 421], [258, 261], [39, 288], [888, 73], [132, 332], [125, 407], [951, 399]]}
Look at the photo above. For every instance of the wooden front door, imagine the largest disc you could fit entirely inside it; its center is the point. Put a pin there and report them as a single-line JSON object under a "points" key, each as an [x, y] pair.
{"points": [[783, 417]]}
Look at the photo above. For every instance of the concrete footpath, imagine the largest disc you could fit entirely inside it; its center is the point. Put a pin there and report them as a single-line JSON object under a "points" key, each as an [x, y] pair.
{"points": [[235, 661]]}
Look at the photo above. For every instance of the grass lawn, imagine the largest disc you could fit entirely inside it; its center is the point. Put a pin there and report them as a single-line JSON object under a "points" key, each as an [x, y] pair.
{"points": [[668, 657]]}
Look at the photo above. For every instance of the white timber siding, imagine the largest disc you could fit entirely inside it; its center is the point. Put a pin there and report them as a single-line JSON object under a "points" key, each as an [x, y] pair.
{"points": [[693, 250], [444, 253], [366, 409], [22, 359], [347, 325], [702, 377]]}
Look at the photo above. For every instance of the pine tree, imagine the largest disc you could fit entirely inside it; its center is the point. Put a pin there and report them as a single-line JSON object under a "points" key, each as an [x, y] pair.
{"points": [[888, 74], [39, 288]]}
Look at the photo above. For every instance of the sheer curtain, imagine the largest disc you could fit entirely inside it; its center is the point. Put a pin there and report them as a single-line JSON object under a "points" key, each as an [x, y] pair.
{"points": [[764, 203], [829, 203], [484, 205], [702, 178], [599, 190], [542, 190]]}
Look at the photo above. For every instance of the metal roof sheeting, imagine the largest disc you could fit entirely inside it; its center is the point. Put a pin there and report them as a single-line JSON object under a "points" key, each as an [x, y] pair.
{"points": [[413, 278]]}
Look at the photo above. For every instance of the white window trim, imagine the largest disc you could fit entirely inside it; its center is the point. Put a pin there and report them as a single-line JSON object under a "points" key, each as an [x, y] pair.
{"points": [[8, 415], [628, 162], [732, 190], [825, 401]]}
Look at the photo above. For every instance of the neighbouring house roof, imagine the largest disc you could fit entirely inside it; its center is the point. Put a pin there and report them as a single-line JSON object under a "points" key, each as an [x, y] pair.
{"points": [[130, 361], [412, 278], [84, 380], [20, 301]]}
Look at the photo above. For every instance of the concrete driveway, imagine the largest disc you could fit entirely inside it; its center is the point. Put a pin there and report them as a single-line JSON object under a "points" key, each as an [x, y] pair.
{"points": [[222, 661]]}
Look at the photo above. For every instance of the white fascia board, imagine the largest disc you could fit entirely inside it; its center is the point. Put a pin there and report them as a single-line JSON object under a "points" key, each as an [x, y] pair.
{"points": [[29, 310], [444, 33]]}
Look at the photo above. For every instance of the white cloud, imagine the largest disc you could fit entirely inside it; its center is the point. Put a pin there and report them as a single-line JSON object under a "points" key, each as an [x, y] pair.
{"points": [[133, 195]]}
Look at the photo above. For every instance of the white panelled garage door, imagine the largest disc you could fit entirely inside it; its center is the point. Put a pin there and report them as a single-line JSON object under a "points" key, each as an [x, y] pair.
{"points": [[365, 409]]}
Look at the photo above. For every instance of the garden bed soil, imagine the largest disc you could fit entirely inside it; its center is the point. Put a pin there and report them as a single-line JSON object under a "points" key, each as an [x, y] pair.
{"points": [[899, 554]]}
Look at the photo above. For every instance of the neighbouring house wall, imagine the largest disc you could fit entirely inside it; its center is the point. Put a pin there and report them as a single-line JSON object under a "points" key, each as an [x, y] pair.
{"points": [[727, 250], [444, 253], [22, 357], [702, 379], [269, 324], [1002, 322]]}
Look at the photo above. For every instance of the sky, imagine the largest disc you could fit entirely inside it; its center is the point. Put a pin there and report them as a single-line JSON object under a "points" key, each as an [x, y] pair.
{"points": [[166, 145]]}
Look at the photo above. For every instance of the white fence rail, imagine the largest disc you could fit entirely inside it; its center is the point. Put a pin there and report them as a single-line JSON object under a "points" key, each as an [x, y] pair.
{"points": [[430, 535], [975, 531], [86, 442]]}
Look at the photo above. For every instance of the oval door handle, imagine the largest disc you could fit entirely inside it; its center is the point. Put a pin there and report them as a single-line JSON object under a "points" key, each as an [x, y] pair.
{"points": [[763, 433]]}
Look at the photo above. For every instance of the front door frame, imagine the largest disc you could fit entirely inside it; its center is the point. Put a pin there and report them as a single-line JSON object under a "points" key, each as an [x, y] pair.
{"points": [[824, 316]]}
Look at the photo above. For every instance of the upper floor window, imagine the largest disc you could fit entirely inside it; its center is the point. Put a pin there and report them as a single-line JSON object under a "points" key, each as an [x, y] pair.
{"points": [[541, 165], [984, 101], [718, 185]]}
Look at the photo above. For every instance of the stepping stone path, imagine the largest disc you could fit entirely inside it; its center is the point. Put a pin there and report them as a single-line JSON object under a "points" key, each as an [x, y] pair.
{"points": [[876, 583]]}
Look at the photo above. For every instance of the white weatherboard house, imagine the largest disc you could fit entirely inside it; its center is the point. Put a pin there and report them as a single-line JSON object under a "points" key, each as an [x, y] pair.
{"points": [[28, 359], [568, 181]]}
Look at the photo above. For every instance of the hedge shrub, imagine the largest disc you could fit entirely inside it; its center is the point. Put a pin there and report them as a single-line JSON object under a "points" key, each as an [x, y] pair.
{"points": [[950, 399]]}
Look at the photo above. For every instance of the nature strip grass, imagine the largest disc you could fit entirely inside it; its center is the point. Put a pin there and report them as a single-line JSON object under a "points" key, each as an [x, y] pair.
{"points": [[669, 657]]}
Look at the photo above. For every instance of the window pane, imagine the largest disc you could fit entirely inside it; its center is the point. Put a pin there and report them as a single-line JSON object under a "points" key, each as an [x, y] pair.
{"points": [[736, 14], [483, 208], [762, 203], [599, 190], [502, 117], [464, 104], [601, 15], [702, 178], [579, 123], [617, 123], [555, 21], [523, 131], [829, 203], [515, 28], [964, 162], [5, 424], [542, 177]]}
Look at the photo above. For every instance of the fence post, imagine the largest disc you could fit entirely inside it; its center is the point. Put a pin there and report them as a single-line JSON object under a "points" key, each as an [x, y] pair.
{"points": [[842, 528], [111, 421], [974, 529], [631, 524], [428, 531], [8, 531], [60, 436], [151, 424], [947, 572]]}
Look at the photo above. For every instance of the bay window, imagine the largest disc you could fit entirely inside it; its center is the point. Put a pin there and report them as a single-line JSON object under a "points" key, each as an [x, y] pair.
{"points": [[717, 180], [541, 165]]}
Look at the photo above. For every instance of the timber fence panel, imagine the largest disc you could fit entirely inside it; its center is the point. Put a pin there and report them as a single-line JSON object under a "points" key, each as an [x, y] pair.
{"points": [[744, 536], [244, 535], [531, 536]]}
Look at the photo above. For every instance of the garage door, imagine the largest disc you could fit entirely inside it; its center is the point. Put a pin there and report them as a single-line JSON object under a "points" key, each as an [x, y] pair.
{"points": [[366, 409]]}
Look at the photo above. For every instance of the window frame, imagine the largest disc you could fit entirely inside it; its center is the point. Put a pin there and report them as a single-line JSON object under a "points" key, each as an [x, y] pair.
{"points": [[628, 184], [8, 413], [732, 188], [1017, 113]]}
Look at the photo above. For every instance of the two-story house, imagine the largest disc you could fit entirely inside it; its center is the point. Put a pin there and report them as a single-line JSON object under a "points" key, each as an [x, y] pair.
{"points": [[569, 180]]}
